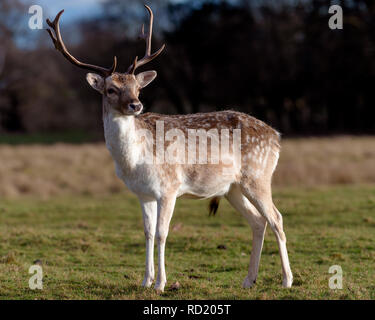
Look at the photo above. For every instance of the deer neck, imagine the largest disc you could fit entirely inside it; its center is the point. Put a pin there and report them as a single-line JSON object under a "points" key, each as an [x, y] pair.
{"points": [[120, 137]]}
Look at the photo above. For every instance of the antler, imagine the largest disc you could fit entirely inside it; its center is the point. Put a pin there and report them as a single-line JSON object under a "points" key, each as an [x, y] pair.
{"points": [[60, 46], [147, 37]]}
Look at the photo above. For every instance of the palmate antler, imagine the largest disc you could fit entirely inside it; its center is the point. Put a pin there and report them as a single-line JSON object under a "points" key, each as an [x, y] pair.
{"points": [[147, 37], [60, 46]]}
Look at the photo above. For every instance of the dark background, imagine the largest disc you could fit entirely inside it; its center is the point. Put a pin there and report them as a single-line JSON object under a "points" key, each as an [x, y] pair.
{"points": [[276, 60]]}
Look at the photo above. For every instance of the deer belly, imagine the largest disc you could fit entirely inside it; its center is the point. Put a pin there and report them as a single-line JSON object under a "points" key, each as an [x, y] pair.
{"points": [[202, 190], [206, 181]]}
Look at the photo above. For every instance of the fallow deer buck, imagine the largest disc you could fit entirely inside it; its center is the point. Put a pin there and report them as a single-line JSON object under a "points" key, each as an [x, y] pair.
{"points": [[246, 183]]}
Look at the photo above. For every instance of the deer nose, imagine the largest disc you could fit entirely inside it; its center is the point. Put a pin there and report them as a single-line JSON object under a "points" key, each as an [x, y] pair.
{"points": [[135, 106]]}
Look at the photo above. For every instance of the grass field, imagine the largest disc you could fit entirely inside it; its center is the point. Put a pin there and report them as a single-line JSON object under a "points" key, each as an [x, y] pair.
{"points": [[94, 248]]}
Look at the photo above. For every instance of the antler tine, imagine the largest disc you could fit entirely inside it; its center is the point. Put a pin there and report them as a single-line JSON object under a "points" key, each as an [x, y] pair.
{"points": [[142, 34], [147, 37], [132, 67], [151, 22], [60, 46]]}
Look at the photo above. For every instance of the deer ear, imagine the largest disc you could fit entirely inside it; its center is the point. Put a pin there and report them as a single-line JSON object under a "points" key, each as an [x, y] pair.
{"points": [[144, 78], [95, 81]]}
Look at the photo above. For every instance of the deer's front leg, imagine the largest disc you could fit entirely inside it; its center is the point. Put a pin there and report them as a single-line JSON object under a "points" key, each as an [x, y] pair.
{"points": [[149, 210], [165, 211]]}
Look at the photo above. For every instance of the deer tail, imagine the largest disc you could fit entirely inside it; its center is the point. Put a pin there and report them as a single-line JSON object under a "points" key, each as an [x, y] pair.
{"points": [[214, 205]]}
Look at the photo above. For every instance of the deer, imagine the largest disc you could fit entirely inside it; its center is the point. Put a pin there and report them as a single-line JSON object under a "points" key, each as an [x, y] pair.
{"points": [[245, 183]]}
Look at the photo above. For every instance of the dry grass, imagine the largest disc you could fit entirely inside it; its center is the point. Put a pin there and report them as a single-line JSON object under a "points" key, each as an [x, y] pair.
{"points": [[48, 170], [57, 169], [326, 161]]}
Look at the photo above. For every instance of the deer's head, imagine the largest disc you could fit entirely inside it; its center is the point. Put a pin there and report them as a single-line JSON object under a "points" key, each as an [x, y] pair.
{"points": [[120, 91]]}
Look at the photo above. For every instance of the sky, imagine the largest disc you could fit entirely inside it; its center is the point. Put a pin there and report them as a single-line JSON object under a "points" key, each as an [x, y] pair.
{"points": [[74, 9]]}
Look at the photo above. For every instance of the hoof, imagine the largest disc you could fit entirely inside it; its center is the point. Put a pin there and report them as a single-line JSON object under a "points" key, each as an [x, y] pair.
{"points": [[147, 282], [248, 283], [159, 287], [287, 282]]}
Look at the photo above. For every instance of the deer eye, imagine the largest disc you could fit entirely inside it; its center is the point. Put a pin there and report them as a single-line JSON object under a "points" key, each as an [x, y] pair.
{"points": [[111, 91]]}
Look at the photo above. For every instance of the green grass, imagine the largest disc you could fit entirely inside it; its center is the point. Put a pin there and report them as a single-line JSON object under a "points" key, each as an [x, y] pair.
{"points": [[93, 248]]}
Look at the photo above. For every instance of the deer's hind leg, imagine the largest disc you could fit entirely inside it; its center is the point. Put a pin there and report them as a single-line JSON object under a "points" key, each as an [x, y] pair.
{"points": [[260, 195], [258, 224]]}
